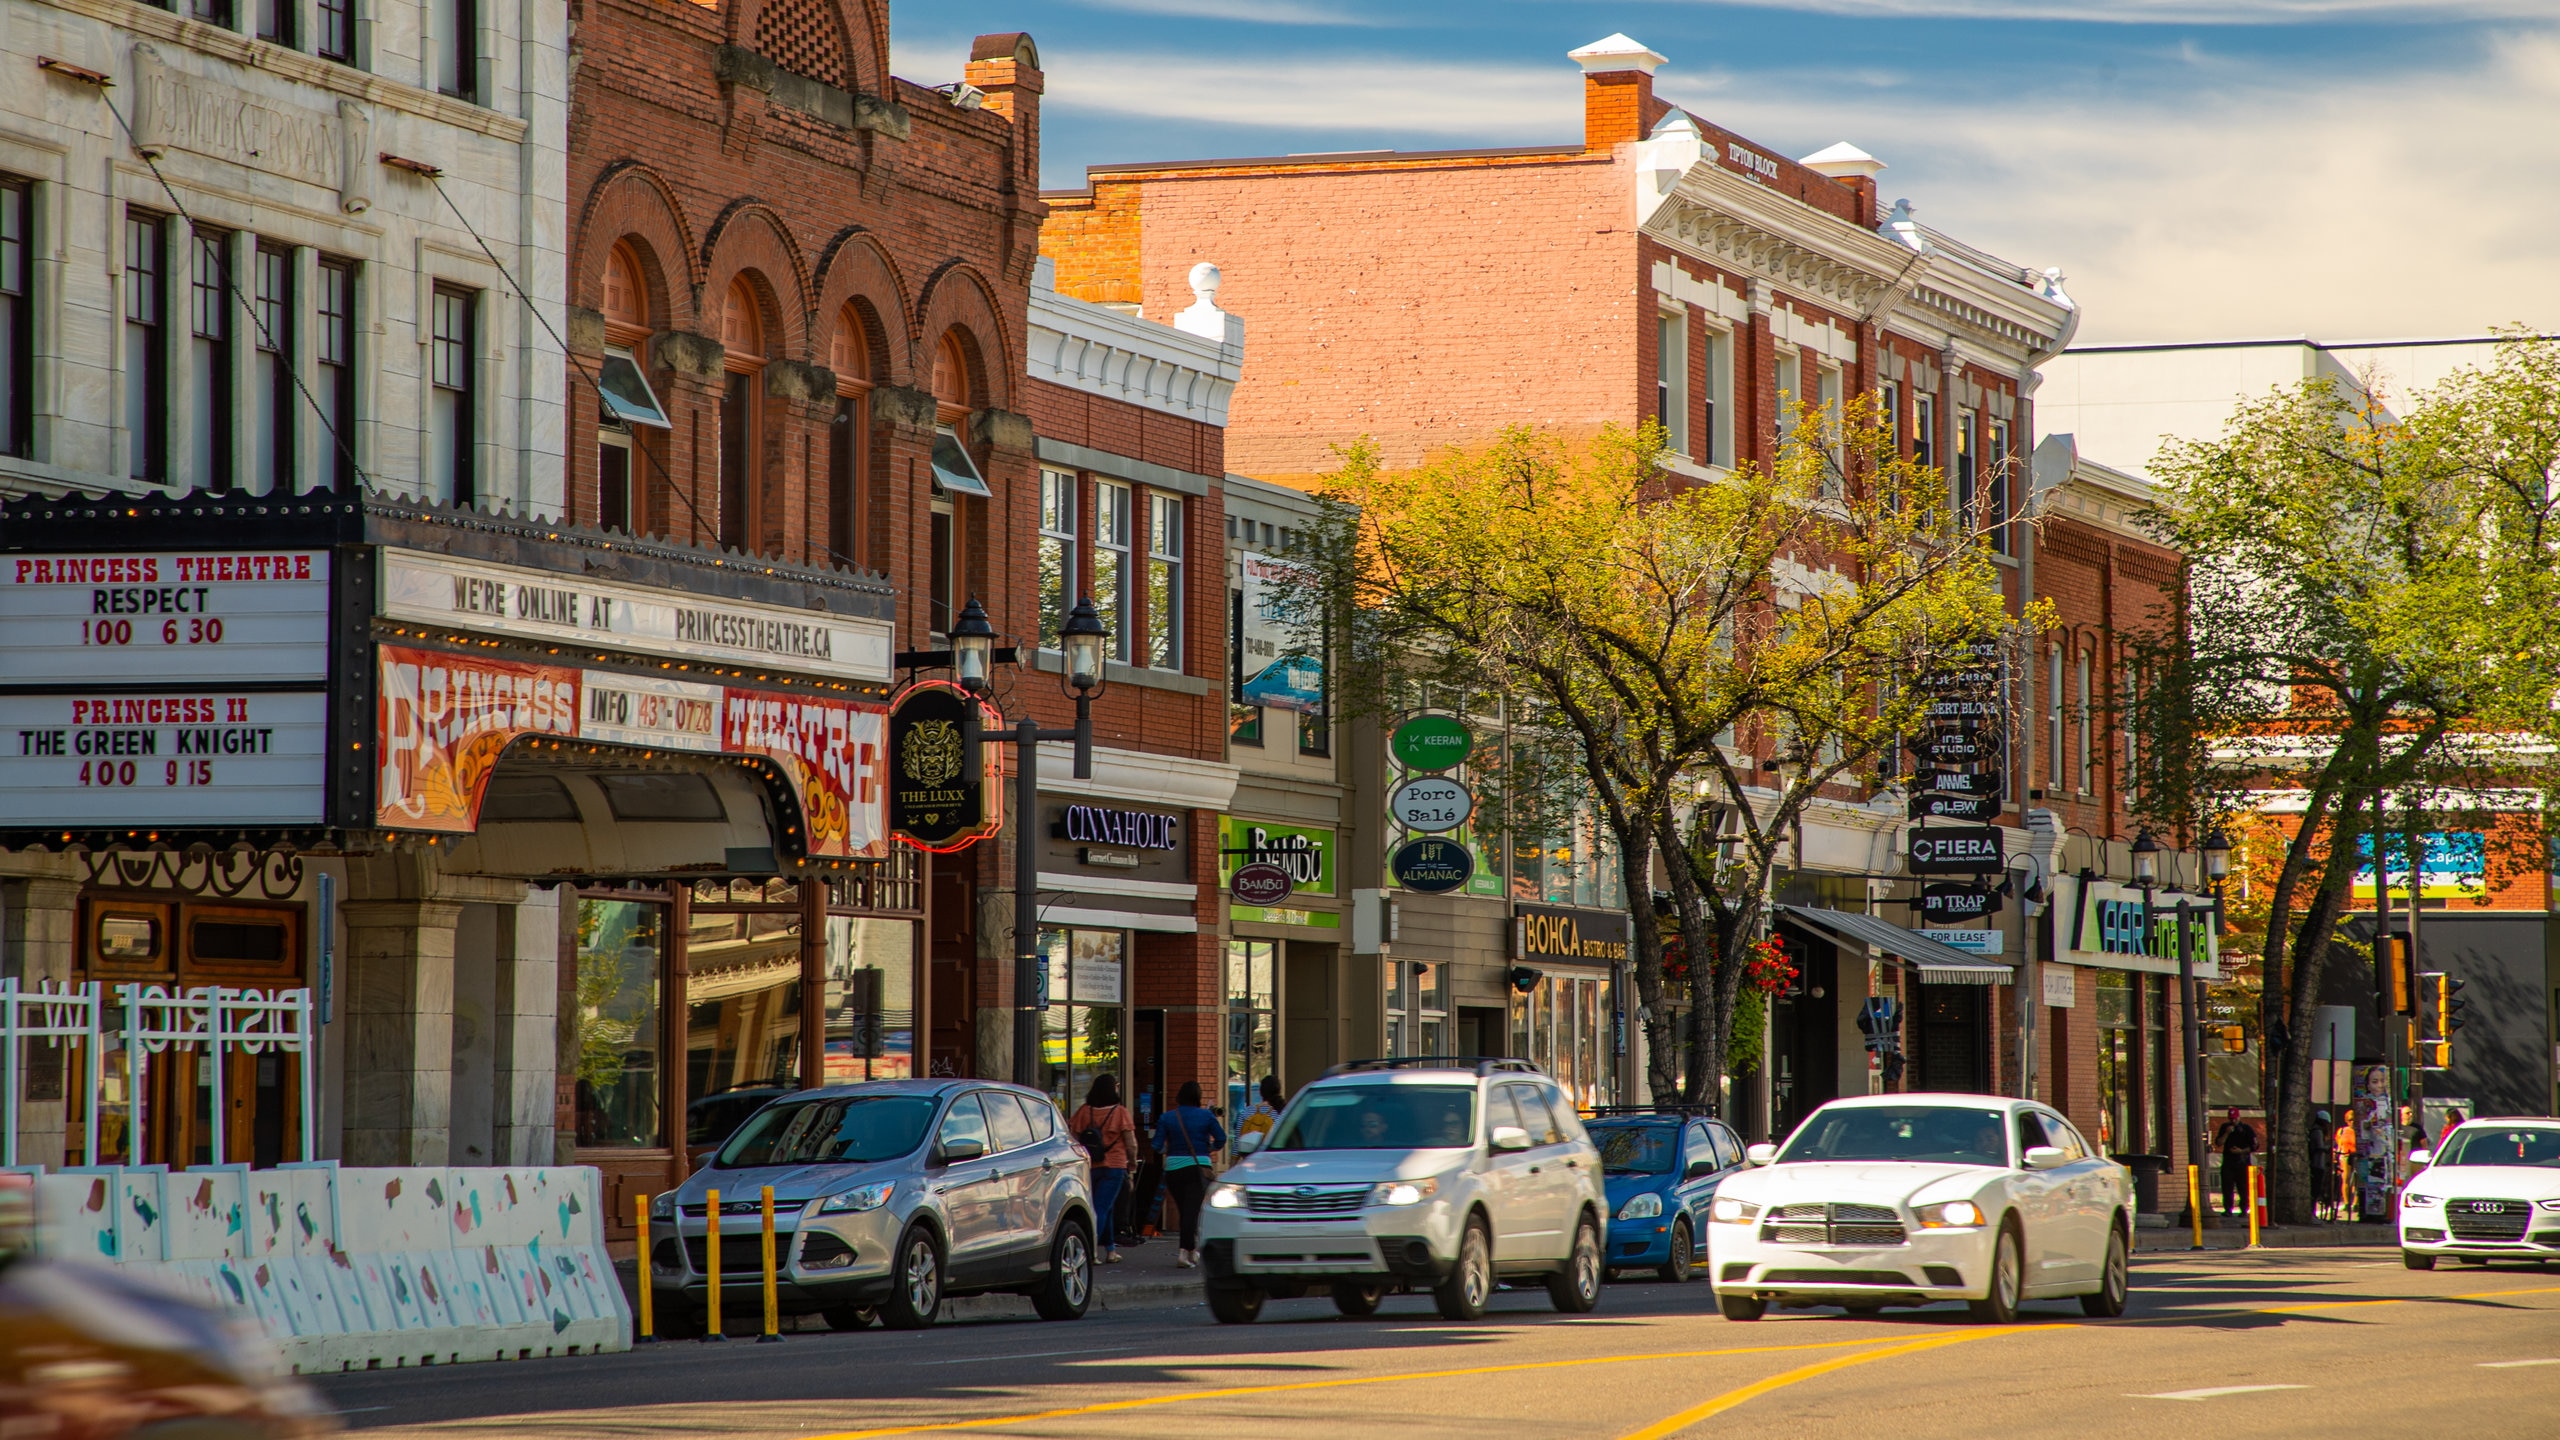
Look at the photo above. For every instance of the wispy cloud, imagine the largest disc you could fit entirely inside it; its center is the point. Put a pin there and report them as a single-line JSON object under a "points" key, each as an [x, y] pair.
{"points": [[2181, 12], [1252, 12]]}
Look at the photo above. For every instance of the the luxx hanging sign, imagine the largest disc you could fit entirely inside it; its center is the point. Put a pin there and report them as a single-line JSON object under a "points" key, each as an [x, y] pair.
{"points": [[933, 804]]}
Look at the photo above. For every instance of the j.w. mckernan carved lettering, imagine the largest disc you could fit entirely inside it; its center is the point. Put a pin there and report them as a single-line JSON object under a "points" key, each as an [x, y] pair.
{"points": [[175, 110]]}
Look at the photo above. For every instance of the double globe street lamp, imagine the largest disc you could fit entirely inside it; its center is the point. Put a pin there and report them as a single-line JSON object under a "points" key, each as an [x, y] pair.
{"points": [[2216, 853], [973, 658]]}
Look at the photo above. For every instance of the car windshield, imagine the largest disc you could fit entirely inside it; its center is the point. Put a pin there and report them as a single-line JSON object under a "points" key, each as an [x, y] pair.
{"points": [[1636, 1149], [2503, 1145], [1941, 1133], [1379, 1117], [843, 1130]]}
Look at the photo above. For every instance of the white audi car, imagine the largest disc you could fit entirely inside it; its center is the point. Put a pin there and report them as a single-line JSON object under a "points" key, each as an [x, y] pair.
{"points": [[1911, 1199], [2490, 1191]]}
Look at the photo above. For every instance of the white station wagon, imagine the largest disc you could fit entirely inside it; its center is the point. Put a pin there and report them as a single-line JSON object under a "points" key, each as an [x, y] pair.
{"points": [[1911, 1199]]}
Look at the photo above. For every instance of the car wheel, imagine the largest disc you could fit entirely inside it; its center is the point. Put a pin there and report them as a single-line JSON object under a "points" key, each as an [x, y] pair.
{"points": [[2008, 1278], [1355, 1299], [1742, 1307], [849, 1317], [2416, 1261], [2113, 1283], [915, 1290], [1235, 1304], [1069, 1288], [1684, 1253], [1469, 1287], [1575, 1289]]}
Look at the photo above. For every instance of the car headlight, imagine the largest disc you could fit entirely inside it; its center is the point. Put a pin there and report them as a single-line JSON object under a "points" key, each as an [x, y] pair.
{"points": [[1643, 1207], [1403, 1192], [2414, 1198], [861, 1197], [2548, 1204], [1735, 1212], [1949, 1215], [663, 1207], [1226, 1197]]}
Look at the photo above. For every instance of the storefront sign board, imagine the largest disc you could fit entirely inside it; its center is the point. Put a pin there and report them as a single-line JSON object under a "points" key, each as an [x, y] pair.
{"points": [[1432, 866], [2104, 927], [1570, 935], [1937, 806], [1946, 904], [1306, 852], [178, 761], [1956, 850], [932, 806], [2061, 986], [1432, 742], [1971, 942], [1260, 883], [1272, 667], [167, 617], [1431, 805], [442, 590]]}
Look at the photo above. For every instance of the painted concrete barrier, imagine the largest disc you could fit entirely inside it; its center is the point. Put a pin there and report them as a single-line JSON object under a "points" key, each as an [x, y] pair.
{"points": [[350, 1269]]}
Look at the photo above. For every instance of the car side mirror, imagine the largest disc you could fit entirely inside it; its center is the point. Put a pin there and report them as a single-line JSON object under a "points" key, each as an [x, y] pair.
{"points": [[2422, 1157], [1698, 1168], [1508, 1138], [2044, 1157], [1760, 1154], [955, 1151], [1247, 1144]]}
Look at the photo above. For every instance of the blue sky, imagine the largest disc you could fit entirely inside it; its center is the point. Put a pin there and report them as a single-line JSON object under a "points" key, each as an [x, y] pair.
{"points": [[2201, 169]]}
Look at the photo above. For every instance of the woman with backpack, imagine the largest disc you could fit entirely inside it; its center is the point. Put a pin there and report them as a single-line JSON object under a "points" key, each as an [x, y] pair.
{"points": [[1189, 1137], [1104, 1127]]}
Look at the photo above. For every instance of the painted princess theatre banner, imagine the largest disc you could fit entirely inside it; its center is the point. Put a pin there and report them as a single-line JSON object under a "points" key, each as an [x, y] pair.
{"points": [[444, 719]]}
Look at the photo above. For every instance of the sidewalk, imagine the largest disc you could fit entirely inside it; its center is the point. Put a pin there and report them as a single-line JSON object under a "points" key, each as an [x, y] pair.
{"points": [[2232, 1233]]}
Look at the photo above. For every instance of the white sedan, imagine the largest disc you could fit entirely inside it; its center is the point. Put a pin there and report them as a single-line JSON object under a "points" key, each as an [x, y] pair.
{"points": [[2490, 1191], [1909, 1199]]}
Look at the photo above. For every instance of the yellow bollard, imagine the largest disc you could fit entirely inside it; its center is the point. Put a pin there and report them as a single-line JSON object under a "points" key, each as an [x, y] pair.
{"points": [[648, 1312], [2255, 1182], [772, 1301], [711, 1260], [2195, 1203]]}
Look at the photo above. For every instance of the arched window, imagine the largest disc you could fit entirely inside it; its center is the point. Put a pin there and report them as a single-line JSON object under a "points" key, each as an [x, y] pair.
{"points": [[950, 375], [849, 438], [627, 405], [741, 416], [955, 474], [625, 302]]}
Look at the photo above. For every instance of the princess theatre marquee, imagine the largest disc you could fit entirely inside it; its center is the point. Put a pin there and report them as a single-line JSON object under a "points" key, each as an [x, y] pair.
{"points": [[315, 671]]}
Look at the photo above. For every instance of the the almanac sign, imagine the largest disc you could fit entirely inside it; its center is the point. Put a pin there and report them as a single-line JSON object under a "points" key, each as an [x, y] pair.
{"points": [[172, 618]]}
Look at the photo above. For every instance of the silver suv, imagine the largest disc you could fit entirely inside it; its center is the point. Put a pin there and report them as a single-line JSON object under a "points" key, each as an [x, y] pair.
{"points": [[887, 1196], [1445, 1175]]}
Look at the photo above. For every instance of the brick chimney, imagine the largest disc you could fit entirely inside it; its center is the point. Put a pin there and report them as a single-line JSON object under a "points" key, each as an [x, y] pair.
{"points": [[1007, 68], [1618, 107], [1854, 168]]}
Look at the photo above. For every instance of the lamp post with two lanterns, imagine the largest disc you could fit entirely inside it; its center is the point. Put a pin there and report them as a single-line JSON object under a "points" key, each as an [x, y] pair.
{"points": [[973, 657], [2216, 852]]}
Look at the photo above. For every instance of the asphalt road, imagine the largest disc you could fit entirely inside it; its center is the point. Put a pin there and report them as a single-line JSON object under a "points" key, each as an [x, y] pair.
{"points": [[2324, 1343]]}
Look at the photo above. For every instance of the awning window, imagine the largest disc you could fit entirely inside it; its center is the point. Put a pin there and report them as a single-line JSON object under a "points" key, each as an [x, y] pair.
{"points": [[1937, 964], [626, 394], [953, 467]]}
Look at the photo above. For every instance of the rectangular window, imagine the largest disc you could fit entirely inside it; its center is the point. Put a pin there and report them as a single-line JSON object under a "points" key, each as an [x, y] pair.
{"points": [[1790, 392], [1826, 393], [737, 460], [847, 443], [1164, 581], [1671, 381], [1315, 730], [620, 1085], [1995, 460], [1111, 564], [209, 407], [211, 12], [1892, 398], [453, 433], [275, 21], [1253, 992], [17, 320], [1924, 429], [1057, 553], [336, 20], [2125, 700], [271, 365], [1718, 438], [2088, 757], [1967, 496], [1244, 722], [2053, 718], [944, 578], [337, 373], [457, 40], [613, 481]]}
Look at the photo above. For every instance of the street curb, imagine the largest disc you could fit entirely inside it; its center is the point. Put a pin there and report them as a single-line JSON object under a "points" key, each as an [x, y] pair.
{"points": [[2176, 1240], [1140, 1295]]}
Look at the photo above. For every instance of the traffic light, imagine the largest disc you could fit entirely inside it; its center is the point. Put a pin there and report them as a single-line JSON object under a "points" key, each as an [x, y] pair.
{"points": [[2235, 1039], [2399, 969], [2434, 1054], [2449, 1006], [2430, 1015]]}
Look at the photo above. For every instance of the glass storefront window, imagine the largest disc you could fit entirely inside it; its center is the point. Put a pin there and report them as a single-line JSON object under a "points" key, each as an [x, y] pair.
{"points": [[1417, 1008], [618, 1092], [1080, 1032], [870, 1003], [1567, 1028], [1252, 1008], [742, 1003]]}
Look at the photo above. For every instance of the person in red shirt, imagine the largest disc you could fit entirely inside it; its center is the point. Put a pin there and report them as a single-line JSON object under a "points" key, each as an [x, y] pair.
{"points": [[1108, 1132]]}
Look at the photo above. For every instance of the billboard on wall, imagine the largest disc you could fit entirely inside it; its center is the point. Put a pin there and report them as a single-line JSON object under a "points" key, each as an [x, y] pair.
{"points": [[169, 617], [1272, 668], [443, 719], [2451, 865]]}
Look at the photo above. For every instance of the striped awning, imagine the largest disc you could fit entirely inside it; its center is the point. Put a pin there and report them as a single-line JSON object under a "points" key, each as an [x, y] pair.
{"points": [[1937, 964]]}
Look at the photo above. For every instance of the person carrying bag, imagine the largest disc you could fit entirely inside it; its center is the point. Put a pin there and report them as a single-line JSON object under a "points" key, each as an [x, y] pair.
{"points": [[1108, 1133], [1189, 1137]]}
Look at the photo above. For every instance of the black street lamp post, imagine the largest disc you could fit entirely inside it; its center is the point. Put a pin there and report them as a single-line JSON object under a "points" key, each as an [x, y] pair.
{"points": [[973, 653], [2146, 873]]}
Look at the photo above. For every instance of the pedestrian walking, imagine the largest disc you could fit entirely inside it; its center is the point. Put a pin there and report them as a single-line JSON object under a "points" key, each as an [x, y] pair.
{"points": [[1188, 1136], [2324, 1166], [2452, 1122], [2238, 1141], [1265, 1112], [2348, 1189], [1107, 1131]]}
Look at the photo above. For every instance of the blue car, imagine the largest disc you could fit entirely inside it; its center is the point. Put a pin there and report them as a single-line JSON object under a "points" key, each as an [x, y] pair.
{"points": [[1661, 1169]]}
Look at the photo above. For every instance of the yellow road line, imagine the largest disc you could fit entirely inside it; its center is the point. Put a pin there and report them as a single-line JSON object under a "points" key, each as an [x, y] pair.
{"points": [[1232, 1392], [1758, 1388]]}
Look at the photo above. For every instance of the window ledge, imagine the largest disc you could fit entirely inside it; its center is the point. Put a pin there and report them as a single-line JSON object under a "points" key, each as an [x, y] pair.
{"points": [[1115, 673]]}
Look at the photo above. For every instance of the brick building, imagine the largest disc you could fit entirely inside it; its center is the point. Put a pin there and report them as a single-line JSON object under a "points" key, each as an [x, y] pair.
{"points": [[1662, 267]]}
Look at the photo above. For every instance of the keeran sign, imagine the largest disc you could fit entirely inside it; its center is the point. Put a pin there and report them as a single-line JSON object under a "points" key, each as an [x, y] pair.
{"points": [[164, 616], [441, 590], [1956, 850], [1432, 742]]}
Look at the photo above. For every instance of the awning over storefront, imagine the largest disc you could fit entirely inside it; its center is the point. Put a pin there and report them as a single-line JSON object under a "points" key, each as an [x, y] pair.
{"points": [[1937, 964]]}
